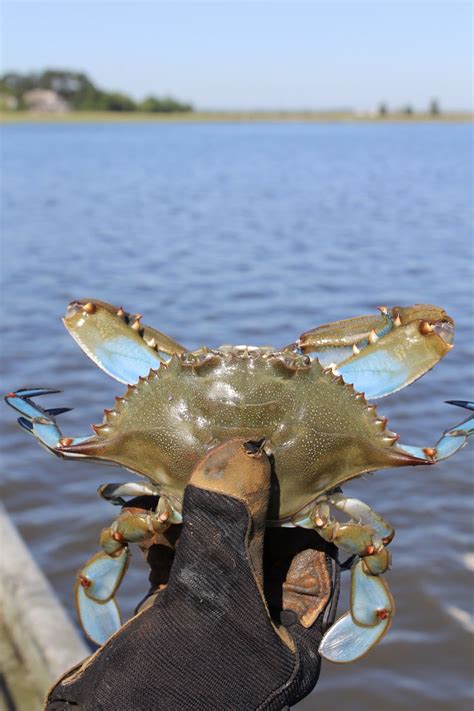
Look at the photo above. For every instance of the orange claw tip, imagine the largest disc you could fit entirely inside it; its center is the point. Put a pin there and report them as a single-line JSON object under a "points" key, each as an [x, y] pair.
{"points": [[370, 550], [117, 536], [383, 310], [65, 441], [10, 395], [382, 614], [430, 452], [397, 321], [90, 308], [120, 312], [84, 582]]}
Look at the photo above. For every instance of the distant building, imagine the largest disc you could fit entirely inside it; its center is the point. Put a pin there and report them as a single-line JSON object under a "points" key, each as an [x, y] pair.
{"points": [[45, 101]]}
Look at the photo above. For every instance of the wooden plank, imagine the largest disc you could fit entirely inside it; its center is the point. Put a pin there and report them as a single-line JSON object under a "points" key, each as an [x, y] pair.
{"points": [[38, 633]]}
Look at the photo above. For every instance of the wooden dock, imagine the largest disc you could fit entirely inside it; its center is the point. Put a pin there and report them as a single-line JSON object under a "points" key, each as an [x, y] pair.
{"points": [[38, 641]]}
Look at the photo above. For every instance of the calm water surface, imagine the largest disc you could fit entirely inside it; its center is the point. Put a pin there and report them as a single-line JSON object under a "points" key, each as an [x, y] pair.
{"points": [[251, 233]]}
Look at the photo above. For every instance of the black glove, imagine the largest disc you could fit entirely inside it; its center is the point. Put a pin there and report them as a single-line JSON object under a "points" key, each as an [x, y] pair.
{"points": [[206, 640]]}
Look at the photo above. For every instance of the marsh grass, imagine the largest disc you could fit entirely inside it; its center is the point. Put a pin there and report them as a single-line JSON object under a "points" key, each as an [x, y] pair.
{"points": [[8, 117]]}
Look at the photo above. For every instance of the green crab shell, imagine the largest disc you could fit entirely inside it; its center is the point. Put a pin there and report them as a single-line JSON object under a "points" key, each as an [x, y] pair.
{"points": [[319, 431]]}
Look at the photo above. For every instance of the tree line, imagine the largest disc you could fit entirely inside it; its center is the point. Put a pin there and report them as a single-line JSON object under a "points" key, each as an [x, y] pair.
{"points": [[81, 94], [433, 108]]}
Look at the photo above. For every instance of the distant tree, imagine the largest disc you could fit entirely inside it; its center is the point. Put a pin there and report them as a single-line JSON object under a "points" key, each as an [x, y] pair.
{"points": [[434, 107], [81, 93], [150, 104], [167, 104], [74, 87], [118, 102], [408, 110], [16, 84], [383, 109], [8, 101], [71, 86], [90, 99]]}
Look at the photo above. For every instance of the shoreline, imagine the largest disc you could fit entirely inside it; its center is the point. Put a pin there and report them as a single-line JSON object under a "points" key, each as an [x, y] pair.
{"points": [[229, 117]]}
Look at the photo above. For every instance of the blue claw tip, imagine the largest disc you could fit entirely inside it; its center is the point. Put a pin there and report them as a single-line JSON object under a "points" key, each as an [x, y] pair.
{"points": [[461, 403], [58, 411], [33, 392], [26, 424]]}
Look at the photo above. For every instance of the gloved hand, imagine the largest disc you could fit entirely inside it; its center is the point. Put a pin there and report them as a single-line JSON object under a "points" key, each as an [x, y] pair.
{"points": [[218, 633]]}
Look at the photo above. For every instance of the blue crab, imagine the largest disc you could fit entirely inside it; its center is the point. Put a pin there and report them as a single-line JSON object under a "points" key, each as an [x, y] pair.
{"points": [[309, 403]]}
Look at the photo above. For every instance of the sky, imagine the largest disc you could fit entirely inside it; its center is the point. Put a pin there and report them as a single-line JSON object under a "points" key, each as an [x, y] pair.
{"points": [[254, 54]]}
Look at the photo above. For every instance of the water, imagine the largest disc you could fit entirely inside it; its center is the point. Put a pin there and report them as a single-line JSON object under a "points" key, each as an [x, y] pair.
{"points": [[251, 233]]}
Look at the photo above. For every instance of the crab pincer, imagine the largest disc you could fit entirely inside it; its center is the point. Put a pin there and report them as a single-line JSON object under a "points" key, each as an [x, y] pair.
{"points": [[382, 354]]}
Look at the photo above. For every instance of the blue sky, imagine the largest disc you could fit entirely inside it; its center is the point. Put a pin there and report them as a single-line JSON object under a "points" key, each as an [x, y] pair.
{"points": [[254, 54]]}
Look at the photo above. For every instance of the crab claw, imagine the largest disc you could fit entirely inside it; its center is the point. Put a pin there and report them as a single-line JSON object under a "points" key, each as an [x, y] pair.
{"points": [[382, 354], [117, 341], [96, 585]]}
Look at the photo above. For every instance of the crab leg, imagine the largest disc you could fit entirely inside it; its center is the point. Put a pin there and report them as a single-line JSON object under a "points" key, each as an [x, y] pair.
{"points": [[99, 579], [115, 492], [41, 423], [372, 606], [451, 441], [359, 511], [382, 354], [117, 341]]}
